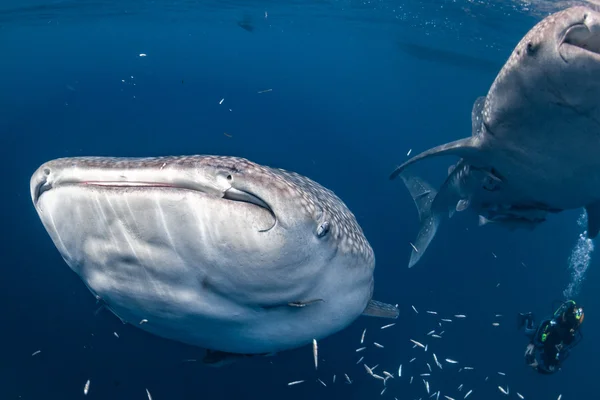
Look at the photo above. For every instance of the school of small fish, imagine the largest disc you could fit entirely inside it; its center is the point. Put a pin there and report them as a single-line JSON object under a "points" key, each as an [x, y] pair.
{"points": [[432, 382]]}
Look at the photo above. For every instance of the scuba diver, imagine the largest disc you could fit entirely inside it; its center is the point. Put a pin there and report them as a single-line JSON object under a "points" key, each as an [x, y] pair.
{"points": [[552, 340]]}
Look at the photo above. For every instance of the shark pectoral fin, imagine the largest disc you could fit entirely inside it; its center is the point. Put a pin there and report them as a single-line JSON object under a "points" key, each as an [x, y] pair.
{"points": [[466, 148], [463, 204], [593, 217], [381, 310], [423, 195], [477, 116]]}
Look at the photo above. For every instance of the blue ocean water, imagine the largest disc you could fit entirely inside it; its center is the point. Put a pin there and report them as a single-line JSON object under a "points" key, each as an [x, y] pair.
{"points": [[354, 86]]}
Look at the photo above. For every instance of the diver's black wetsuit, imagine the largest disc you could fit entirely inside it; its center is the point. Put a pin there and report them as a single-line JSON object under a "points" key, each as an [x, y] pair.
{"points": [[552, 349]]}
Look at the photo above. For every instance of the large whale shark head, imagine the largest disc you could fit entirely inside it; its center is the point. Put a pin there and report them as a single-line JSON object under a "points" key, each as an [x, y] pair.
{"points": [[214, 251], [555, 68]]}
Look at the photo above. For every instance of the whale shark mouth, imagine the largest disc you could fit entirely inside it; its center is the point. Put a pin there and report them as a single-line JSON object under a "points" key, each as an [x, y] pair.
{"points": [[229, 194], [232, 193], [579, 36]]}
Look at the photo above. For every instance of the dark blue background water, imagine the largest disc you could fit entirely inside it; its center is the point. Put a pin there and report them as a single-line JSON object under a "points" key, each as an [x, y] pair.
{"points": [[349, 98]]}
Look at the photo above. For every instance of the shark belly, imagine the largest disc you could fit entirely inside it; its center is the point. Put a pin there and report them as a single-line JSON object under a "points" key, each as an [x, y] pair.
{"points": [[539, 176]]}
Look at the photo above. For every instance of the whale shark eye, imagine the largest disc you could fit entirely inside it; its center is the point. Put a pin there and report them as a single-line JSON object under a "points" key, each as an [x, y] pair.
{"points": [[224, 178], [531, 48], [323, 229]]}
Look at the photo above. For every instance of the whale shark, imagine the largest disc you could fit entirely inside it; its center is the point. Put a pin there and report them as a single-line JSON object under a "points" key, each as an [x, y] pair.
{"points": [[217, 252], [537, 128]]}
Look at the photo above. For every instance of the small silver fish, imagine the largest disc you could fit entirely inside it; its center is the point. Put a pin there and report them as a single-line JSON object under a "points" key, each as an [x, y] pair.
{"points": [[316, 353]]}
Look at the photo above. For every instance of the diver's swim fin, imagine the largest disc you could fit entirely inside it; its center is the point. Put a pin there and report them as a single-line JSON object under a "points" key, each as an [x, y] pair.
{"points": [[423, 195]]}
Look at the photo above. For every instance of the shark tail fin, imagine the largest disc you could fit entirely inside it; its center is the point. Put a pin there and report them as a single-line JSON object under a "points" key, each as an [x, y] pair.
{"points": [[465, 148], [423, 195]]}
